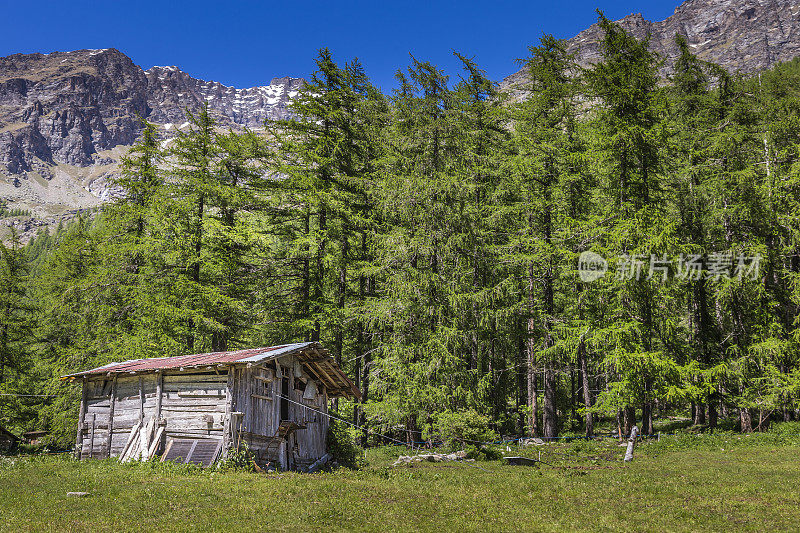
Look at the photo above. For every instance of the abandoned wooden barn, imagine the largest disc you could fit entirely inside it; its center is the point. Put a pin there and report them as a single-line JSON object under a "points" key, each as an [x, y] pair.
{"points": [[8, 441], [197, 408]]}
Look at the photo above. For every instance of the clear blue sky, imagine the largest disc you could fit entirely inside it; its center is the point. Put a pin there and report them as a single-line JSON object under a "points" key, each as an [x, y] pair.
{"points": [[245, 43]]}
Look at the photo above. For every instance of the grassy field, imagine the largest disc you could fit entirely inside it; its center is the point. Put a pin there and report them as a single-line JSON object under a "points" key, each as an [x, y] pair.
{"points": [[720, 483]]}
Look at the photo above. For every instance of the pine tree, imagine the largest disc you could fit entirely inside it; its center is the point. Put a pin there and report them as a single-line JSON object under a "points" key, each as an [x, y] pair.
{"points": [[421, 356], [326, 215], [129, 251], [16, 330], [235, 198], [628, 138], [75, 327], [542, 213], [694, 113], [482, 140]]}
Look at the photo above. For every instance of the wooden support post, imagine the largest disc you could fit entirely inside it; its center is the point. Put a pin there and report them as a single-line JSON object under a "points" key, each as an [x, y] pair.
{"points": [[81, 421], [283, 455], [111, 404], [228, 429], [161, 427], [631, 444], [159, 394], [141, 400], [236, 425], [91, 435], [227, 435], [246, 381]]}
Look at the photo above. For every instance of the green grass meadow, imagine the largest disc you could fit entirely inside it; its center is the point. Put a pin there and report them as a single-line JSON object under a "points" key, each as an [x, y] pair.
{"points": [[724, 482]]}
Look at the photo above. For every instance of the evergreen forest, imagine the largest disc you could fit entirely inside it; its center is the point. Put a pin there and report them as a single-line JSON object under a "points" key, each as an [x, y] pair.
{"points": [[595, 249]]}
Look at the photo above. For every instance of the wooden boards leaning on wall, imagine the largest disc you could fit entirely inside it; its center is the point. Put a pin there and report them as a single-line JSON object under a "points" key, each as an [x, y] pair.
{"points": [[191, 404]]}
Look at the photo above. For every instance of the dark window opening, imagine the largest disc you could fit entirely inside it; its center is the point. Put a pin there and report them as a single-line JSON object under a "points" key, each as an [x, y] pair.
{"points": [[285, 398]]}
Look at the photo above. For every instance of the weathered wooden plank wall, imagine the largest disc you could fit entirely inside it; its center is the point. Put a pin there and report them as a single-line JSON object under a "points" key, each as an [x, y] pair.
{"points": [[94, 437], [193, 404], [136, 400], [257, 393], [310, 443]]}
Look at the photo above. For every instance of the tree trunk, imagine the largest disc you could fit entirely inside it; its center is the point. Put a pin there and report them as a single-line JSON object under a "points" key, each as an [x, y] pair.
{"points": [[628, 420], [475, 348], [572, 400], [361, 350], [647, 418], [700, 415], [723, 406], [712, 416], [533, 418], [550, 417], [587, 392], [746, 420], [219, 341], [533, 404], [341, 300], [522, 386], [412, 430], [357, 372]]}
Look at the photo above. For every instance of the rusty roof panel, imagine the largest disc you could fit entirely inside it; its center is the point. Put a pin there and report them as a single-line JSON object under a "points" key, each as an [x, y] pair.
{"points": [[183, 361], [311, 354]]}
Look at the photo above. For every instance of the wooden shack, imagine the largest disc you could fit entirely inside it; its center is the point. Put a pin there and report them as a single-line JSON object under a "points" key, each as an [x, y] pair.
{"points": [[197, 408], [8, 441]]}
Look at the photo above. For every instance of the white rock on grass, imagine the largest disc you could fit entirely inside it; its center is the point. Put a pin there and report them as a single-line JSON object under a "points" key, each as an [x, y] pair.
{"points": [[430, 457]]}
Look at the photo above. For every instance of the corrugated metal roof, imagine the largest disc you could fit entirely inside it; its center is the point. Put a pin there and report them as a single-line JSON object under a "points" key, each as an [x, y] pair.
{"points": [[277, 351], [162, 363], [310, 354]]}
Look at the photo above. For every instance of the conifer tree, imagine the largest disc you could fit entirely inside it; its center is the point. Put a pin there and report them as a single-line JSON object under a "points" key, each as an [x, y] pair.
{"points": [[420, 355], [129, 250], [325, 210], [482, 139], [542, 214], [16, 330], [629, 135], [694, 113]]}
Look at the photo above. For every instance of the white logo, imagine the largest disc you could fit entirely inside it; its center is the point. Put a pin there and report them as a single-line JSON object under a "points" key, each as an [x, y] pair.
{"points": [[591, 267]]}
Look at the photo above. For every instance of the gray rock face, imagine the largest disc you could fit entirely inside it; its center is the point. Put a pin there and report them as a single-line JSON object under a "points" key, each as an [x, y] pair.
{"points": [[66, 118], [65, 107], [741, 35], [172, 89]]}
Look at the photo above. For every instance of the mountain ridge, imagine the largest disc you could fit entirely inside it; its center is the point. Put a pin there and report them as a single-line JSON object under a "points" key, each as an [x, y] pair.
{"points": [[66, 118], [742, 35]]}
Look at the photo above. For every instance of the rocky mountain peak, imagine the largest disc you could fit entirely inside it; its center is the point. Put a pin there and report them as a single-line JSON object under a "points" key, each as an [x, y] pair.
{"points": [[741, 35], [67, 117], [172, 90]]}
